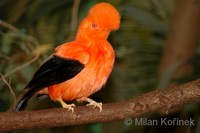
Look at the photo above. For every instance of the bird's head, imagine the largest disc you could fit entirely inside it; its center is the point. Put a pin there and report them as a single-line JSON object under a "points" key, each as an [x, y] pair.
{"points": [[101, 19]]}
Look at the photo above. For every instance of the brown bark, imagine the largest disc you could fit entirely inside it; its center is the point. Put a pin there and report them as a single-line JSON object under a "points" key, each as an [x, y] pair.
{"points": [[182, 39], [146, 103]]}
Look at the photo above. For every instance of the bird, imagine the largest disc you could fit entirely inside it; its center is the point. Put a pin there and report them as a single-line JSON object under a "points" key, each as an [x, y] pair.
{"points": [[79, 68]]}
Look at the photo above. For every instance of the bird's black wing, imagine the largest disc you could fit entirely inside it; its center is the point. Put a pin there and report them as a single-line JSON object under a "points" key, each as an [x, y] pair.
{"points": [[54, 71]]}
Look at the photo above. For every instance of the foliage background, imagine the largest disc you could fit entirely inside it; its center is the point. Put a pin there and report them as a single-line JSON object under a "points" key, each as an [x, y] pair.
{"points": [[33, 28]]}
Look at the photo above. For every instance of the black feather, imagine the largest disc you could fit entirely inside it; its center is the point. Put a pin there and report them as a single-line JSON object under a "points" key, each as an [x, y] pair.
{"points": [[23, 101], [54, 71], [41, 96]]}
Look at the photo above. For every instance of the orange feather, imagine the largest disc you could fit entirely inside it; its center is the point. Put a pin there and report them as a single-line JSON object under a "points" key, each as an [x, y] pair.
{"points": [[93, 50], [81, 67]]}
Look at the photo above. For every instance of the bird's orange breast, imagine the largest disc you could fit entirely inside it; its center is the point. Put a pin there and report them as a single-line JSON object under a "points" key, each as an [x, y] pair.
{"points": [[98, 59]]}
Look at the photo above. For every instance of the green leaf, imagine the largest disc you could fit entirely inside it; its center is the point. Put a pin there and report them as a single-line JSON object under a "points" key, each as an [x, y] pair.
{"points": [[46, 7], [20, 87], [168, 74], [146, 18], [6, 44]]}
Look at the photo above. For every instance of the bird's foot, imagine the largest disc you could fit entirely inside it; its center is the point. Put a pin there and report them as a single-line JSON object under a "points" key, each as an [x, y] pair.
{"points": [[70, 107], [94, 104]]}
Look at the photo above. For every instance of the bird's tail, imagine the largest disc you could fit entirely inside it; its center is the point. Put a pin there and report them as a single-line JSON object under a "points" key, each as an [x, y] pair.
{"points": [[23, 101]]}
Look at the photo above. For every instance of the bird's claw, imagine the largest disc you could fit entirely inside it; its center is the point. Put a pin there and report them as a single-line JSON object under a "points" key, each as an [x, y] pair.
{"points": [[95, 104], [70, 107]]}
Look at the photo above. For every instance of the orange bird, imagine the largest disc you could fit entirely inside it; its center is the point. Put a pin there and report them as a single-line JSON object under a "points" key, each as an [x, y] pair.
{"points": [[81, 67]]}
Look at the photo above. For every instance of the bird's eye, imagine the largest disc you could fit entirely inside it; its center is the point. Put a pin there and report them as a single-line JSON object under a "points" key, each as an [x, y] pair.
{"points": [[94, 26]]}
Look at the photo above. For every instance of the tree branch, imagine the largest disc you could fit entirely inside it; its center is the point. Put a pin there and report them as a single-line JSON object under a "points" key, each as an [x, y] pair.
{"points": [[182, 39], [20, 67], [74, 20], [146, 103], [10, 88]]}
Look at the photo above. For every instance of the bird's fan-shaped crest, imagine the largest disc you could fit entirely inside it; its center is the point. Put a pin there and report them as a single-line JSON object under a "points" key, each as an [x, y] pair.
{"points": [[105, 14]]}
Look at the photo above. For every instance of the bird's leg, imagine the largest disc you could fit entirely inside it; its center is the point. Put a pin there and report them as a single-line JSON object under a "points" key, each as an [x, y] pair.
{"points": [[70, 107], [91, 103], [94, 104]]}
